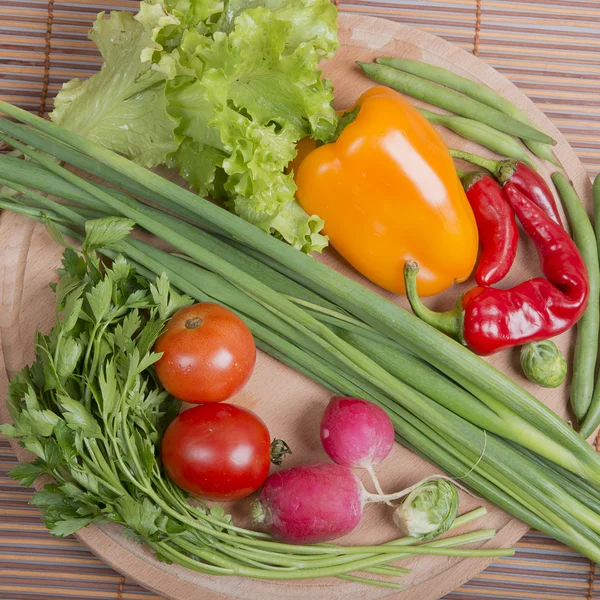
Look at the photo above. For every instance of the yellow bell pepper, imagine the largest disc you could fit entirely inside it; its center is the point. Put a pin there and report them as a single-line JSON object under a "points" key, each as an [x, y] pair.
{"points": [[388, 192]]}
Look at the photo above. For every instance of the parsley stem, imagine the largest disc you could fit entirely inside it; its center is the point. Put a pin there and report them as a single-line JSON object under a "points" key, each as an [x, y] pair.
{"points": [[104, 467]]}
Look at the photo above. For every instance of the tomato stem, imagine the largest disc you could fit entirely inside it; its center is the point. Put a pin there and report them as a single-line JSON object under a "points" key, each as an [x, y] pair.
{"points": [[279, 449], [193, 323]]}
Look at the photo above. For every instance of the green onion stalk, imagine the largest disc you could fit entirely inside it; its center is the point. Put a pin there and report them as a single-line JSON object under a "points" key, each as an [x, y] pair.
{"points": [[258, 277]]}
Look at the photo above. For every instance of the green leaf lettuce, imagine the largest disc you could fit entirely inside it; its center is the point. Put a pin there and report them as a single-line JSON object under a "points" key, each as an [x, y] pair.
{"points": [[123, 107], [221, 91]]}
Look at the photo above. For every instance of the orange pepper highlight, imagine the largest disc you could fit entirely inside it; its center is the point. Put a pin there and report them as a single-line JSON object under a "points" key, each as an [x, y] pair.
{"points": [[388, 192]]}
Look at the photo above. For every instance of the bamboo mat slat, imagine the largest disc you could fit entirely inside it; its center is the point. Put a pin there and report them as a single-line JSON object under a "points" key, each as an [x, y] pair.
{"points": [[549, 48]]}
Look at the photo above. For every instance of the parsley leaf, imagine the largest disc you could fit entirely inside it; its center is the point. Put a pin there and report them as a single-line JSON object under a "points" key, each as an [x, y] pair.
{"points": [[102, 233]]}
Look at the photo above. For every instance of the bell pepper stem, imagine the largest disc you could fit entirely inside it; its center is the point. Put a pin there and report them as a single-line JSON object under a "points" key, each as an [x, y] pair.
{"points": [[449, 322], [346, 119]]}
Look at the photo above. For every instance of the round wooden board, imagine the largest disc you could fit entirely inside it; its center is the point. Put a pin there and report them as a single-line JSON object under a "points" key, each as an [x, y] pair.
{"points": [[289, 403]]}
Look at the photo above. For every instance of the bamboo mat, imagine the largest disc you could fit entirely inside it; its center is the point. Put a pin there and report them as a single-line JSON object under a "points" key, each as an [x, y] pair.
{"points": [[549, 48]]}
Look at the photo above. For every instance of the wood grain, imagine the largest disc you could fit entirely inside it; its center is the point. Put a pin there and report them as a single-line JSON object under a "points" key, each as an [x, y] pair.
{"points": [[288, 402]]}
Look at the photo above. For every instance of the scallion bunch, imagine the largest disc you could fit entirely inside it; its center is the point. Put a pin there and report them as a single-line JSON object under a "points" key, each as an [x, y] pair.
{"points": [[447, 404]]}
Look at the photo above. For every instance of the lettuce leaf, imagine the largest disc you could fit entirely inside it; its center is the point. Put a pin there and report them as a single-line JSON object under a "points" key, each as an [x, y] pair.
{"points": [[256, 95], [254, 69], [314, 21], [123, 107], [222, 90], [289, 223]]}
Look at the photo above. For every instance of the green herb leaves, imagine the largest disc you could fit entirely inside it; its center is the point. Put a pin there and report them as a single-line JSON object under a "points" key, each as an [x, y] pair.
{"points": [[101, 233], [88, 407]]}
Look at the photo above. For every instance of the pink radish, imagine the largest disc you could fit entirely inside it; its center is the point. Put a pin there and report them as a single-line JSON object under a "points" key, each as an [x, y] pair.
{"points": [[314, 503], [310, 503], [356, 434]]}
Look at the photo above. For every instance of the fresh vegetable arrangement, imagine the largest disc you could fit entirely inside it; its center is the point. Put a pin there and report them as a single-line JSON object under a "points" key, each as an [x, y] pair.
{"points": [[446, 403], [223, 92]]}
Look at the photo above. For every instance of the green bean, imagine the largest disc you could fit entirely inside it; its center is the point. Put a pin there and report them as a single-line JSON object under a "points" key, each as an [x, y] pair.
{"points": [[482, 134], [586, 343], [455, 102], [592, 418], [474, 90]]}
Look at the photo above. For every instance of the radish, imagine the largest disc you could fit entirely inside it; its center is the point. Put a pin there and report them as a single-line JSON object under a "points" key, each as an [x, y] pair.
{"points": [[313, 503], [356, 434], [310, 503]]}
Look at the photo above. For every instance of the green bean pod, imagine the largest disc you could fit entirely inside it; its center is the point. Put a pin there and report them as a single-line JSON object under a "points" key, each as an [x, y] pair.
{"points": [[482, 134], [450, 100], [476, 91], [592, 417], [543, 151], [586, 342]]}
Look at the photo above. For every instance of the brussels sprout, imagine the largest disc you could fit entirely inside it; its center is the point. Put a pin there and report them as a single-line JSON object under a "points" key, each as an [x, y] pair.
{"points": [[428, 511], [543, 363]]}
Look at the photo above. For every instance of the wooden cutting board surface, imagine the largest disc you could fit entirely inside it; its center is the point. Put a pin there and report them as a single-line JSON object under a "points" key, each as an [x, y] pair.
{"points": [[290, 404]]}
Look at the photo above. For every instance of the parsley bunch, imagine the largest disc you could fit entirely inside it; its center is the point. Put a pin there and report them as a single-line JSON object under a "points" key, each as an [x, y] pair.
{"points": [[88, 407]]}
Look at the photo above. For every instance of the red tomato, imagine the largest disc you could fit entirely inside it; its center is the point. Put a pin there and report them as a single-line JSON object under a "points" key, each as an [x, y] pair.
{"points": [[217, 451], [208, 354]]}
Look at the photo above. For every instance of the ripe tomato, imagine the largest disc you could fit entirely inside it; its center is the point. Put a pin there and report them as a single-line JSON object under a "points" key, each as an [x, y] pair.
{"points": [[217, 451], [208, 354]]}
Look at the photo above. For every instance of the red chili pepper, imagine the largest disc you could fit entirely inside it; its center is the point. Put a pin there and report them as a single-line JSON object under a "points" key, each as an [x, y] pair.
{"points": [[498, 233], [514, 173], [491, 320]]}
